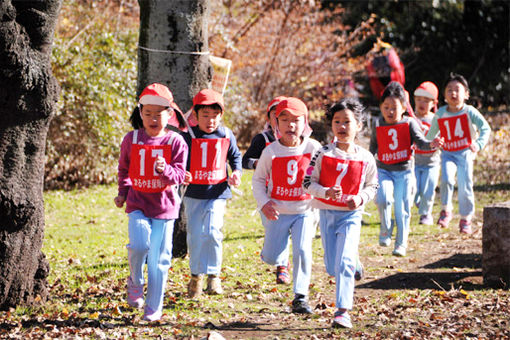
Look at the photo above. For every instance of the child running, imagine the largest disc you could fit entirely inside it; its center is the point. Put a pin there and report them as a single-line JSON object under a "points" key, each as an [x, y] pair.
{"points": [[391, 140], [251, 157], [427, 162], [342, 178], [152, 163], [211, 145], [456, 122], [284, 206]]}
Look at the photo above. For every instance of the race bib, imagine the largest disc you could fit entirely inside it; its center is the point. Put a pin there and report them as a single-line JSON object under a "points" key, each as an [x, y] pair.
{"points": [[425, 129], [455, 131], [393, 143], [287, 174], [208, 163], [347, 174], [142, 166]]}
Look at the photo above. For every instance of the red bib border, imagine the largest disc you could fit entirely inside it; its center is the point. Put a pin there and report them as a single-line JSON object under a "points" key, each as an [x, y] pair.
{"points": [[455, 131], [142, 167], [208, 163]]}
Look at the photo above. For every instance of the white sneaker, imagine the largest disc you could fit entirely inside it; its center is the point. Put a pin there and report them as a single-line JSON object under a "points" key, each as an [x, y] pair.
{"points": [[399, 251]]}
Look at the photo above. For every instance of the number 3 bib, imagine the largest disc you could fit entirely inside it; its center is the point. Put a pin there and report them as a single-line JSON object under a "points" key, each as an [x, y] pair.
{"points": [[347, 174], [288, 173], [142, 166], [455, 131], [393, 143], [208, 163]]}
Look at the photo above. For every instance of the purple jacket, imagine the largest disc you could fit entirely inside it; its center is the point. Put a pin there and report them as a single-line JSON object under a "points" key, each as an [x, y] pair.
{"points": [[161, 205]]}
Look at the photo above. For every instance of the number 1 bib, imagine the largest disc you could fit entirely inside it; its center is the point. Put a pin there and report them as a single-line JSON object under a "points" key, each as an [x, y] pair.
{"points": [[288, 173], [455, 131], [347, 174], [208, 163], [142, 165], [393, 143]]}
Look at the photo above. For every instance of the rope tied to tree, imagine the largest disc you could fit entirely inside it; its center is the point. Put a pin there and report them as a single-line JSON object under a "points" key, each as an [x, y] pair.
{"points": [[175, 52]]}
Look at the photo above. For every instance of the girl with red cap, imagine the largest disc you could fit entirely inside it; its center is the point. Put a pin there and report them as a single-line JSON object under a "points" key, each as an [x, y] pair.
{"points": [[152, 164], [427, 162], [284, 206]]}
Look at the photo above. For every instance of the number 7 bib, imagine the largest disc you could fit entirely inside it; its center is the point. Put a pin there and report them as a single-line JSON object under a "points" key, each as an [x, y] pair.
{"points": [[208, 163], [287, 174]]}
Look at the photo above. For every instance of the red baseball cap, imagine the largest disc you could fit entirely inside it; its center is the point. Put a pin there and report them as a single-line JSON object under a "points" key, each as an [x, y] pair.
{"points": [[158, 94], [427, 89], [275, 101], [293, 105], [209, 97]]}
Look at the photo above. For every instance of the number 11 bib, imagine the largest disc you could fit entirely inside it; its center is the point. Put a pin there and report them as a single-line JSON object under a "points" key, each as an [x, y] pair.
{"points": [[208, 163]]}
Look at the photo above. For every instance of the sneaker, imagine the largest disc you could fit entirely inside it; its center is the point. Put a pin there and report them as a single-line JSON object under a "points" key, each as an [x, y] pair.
{"points": [[282, 275], [360, 271], [151, 315], [385, 242], [134, 294], [214, 285], [426, 219], [465, 227], [342, 320], [300, 305], [444, 218], [195, 286], [399, 251]]}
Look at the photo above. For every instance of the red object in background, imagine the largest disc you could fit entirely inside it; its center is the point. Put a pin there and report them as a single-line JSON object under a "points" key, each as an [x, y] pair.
{"points": [[384, 67]]}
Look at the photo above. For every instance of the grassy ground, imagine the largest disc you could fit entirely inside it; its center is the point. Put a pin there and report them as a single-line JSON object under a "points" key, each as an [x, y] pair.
{"points": [[435, 292]]}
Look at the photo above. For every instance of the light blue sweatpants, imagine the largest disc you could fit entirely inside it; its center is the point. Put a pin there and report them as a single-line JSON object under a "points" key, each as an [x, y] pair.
{"points": [[204, 237], [150, 239], [340, 232], [426, 182], [301, 228]]}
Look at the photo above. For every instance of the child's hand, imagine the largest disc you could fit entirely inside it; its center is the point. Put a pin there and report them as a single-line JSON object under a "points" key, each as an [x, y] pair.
{"points": [[474, 147], [354, 202], [235, 179], [187, 178], [334, 193], [437, 142], [160, 164], [119, 201], [269, 210]]}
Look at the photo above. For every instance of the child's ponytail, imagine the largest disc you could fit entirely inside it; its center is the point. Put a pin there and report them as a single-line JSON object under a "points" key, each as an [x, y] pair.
{"points": [[136, 118]]}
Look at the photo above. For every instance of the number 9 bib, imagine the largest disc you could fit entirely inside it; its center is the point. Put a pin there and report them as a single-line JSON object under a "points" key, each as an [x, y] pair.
{"points": [[287, 174], [208, 163]]}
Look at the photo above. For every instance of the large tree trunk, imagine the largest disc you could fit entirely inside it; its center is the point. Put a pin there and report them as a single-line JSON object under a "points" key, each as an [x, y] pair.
{"points": [[28, 97], [173, 51]]}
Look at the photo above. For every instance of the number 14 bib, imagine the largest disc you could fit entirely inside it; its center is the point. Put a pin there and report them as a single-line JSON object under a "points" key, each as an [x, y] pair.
{"points": [[455, 131], [347, 174], [287, 173], [208, 164]]}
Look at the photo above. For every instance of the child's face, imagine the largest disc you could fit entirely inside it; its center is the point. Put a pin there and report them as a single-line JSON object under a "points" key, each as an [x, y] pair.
{"points": [[155, 119], [345, 126], [455, 94], [392, 110], [209, 119], [291, 128], [423, 105]]}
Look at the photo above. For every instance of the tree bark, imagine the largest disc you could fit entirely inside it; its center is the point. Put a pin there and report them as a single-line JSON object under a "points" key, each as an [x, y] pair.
{"points": [[173, 47], [28, 98]]}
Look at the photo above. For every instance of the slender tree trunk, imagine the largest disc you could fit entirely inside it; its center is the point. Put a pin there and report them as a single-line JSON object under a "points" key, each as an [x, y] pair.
{"points": [[28, 97], [172, 50]]}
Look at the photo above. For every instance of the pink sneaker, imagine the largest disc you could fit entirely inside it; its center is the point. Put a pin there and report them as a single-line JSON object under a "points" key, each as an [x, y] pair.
{"points": [[465, 227], [444, 218], [134, 294]]}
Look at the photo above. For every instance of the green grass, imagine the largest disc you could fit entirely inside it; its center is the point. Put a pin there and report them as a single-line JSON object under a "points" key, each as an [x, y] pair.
{"points": [[85, 243]]}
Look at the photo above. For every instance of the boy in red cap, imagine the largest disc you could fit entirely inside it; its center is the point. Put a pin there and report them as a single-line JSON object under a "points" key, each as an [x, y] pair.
{"points": [[250, 159], [211, 146], [427, 162], [284, 206], [151, 166]]}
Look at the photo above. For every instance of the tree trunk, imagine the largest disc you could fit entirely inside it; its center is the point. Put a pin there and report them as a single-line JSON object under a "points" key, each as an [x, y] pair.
{"points": [[172, 50], [28, 97]]}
